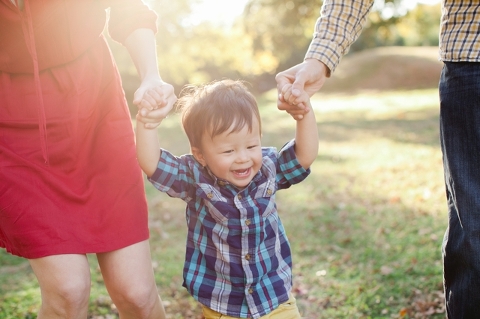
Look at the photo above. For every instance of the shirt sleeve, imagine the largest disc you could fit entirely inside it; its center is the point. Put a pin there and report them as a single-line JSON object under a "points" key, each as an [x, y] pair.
{"points": [[174, 176], [289, 170], [129, 15], [339, 25]]}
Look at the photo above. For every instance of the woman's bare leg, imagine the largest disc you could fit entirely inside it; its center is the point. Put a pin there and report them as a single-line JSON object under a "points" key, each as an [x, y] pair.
{"points": [[64, 284], [128, 276]]}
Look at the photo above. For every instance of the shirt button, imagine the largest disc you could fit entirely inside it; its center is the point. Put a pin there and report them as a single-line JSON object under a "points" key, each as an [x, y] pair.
{"points": [[221, 183], [247, 222], [210, 195], [250, 290], [239, 196], [247, 256], [269, 191]]}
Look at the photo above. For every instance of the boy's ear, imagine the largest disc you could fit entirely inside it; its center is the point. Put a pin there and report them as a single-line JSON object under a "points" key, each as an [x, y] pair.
{"points": [[197, 153]]}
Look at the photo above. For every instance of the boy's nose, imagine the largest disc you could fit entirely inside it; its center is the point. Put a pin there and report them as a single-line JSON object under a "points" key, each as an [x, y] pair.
{"points": [[242, 157]]}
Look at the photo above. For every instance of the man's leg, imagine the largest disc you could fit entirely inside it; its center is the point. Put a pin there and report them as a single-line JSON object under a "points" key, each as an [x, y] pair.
{"points": [[460, 139]]}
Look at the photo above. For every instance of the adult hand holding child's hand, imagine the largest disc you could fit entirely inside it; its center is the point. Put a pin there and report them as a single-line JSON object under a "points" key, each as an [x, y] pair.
{"points": [[154, 99]]}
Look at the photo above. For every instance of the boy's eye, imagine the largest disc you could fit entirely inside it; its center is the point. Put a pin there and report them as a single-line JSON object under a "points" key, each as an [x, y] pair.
{"points": [[252, 146], [228, 151]]}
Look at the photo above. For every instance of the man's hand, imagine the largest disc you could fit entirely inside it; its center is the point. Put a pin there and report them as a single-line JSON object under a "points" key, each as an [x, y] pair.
{"points": [[307, 77]]}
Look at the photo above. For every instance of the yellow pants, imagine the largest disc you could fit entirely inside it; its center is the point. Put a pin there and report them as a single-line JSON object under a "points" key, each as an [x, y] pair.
{"points": [[287, 310]]}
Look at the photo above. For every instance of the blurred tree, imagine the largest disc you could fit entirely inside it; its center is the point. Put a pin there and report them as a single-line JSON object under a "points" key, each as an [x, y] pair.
{"points": [[285, 27], [380, 29], [421, 25], [202, 52], [170, 17], [391, 24], [270, 36], [281, 28]]}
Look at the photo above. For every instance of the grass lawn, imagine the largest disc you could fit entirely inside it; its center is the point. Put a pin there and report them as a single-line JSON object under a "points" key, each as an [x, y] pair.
{"points": [[366, 227]]}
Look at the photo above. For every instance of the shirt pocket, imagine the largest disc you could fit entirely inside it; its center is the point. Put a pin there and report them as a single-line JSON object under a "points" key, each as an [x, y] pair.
{"points": [[218, 206], [264, 199], [221, 220]]}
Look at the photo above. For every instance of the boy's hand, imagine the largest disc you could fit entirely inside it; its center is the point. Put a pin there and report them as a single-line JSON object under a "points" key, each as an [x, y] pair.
{"points": [[152, 119], [301, 100], [154, 99]]}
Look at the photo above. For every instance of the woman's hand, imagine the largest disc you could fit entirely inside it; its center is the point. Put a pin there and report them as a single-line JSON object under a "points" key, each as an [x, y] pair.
{"points": [[154, 99]]}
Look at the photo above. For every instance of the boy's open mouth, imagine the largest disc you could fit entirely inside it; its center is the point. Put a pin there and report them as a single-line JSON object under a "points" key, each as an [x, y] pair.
{"points": [[242, 172]]}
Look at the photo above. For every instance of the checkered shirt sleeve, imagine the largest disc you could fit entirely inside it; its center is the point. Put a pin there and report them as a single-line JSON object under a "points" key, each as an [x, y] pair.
{"points": [[339, 25]]}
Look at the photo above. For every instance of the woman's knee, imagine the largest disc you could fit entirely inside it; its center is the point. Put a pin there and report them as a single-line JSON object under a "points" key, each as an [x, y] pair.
{"points": [[75, 291], [67, 299], [64, 284], [140, 300]]}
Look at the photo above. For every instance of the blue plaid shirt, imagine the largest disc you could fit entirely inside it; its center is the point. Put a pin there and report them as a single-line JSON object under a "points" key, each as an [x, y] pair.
{"points": [[238, 259]]}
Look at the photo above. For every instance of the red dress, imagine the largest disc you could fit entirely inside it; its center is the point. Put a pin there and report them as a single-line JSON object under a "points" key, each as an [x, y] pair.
{"points": [[69, 178]]}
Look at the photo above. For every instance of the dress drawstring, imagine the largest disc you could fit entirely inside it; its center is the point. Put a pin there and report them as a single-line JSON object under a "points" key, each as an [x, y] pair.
{"points": [[27, 27]]}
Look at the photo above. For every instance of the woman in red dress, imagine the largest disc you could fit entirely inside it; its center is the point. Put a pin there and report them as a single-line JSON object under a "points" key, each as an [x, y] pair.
{"points": [[69, 180]]}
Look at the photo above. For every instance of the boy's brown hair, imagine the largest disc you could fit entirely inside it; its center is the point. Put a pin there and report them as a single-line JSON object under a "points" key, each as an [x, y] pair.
{"points": [[213, 108]]}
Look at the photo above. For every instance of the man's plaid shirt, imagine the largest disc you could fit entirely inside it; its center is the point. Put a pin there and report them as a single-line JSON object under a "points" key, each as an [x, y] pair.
{"points": [[341, 23], [238, 259]]}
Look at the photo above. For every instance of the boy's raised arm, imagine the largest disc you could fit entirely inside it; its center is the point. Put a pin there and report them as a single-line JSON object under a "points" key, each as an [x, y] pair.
{"points": [[306, 134], [148, 148], [306, 139]]}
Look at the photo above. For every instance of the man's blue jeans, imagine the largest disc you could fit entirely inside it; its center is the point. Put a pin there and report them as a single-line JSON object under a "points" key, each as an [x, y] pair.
{"points": [[460, 140]]}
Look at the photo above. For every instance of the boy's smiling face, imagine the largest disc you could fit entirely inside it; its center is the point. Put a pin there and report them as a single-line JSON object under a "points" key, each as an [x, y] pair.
{"points": [[234, 156]]}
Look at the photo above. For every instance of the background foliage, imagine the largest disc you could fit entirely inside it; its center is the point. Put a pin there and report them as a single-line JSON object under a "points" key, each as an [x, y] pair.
{"points": [[270, 36]]}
